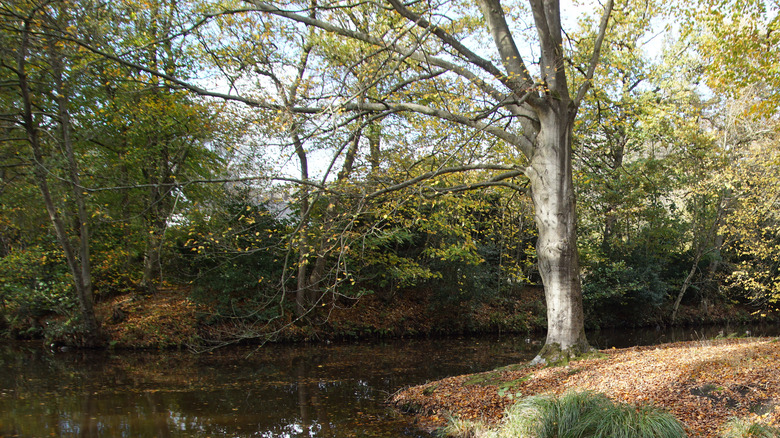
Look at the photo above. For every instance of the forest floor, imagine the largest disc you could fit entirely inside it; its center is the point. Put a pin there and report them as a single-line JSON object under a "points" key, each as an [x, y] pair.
{"points": [[702, 383]]}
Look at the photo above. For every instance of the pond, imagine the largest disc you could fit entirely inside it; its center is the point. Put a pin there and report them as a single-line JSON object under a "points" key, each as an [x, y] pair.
{"points": [[335, 390]]}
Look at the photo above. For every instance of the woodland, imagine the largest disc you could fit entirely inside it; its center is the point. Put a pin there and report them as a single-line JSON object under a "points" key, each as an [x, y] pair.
{"points": [[207, 172]]}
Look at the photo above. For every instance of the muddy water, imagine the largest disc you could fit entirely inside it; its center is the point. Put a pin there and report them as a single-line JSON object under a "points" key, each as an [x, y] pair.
{"points": [[333, 390]]}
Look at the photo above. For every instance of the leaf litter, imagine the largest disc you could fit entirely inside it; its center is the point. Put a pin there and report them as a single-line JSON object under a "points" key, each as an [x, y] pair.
{"points": [[703, 383]]}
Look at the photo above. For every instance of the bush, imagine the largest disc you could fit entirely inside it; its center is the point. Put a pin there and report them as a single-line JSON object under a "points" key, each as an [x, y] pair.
{"points": [[113, 271], [586, 415], [615, 292], [66, 332], [234, 259], [35, 282]]}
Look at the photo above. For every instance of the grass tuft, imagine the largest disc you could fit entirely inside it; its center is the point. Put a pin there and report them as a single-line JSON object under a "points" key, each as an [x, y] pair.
{"points": [[740, 428], [586, 415], [459, 428]]}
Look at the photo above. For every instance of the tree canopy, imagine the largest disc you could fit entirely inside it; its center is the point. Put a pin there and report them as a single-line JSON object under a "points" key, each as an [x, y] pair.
{"points": [[284, 159]]}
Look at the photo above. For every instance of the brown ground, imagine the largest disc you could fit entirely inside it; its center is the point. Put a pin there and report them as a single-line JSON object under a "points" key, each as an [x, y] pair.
{"points": [[161, 320], [702, 383]]}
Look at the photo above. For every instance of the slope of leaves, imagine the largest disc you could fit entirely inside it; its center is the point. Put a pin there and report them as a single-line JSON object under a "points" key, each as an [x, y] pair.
{"points": [[163, 320], [704, 384]]}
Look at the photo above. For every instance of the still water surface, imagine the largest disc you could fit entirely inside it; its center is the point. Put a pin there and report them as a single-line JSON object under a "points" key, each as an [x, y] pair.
{"points": [[333, 390]]}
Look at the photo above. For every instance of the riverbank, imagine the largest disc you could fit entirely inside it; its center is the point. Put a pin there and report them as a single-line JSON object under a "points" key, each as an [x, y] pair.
{"points": [[171, 319], [702, 383]]}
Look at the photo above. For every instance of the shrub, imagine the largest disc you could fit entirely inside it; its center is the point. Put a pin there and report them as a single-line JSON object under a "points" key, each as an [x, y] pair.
{"points": [[35, 282], [234, 259], [113, 271], [615, 292]]}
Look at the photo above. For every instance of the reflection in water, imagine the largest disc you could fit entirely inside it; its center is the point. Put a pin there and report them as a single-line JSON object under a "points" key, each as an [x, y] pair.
{"points": [[277, 391], [629, 337]]}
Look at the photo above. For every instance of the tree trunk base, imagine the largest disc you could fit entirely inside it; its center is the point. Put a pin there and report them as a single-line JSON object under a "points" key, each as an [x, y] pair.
{"points": [[552, 354]]}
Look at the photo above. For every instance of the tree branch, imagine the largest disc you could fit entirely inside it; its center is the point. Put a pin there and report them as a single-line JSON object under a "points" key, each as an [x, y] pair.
{"points": [[505, 43], [517, 140], [475, 186], [443, 171], [594, 60], [547, 18], [508, 79], [420, 57], [209, 181], [496, 181]]}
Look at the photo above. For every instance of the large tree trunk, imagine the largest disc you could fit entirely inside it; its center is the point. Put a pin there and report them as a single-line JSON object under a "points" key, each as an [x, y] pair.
{"points": [[550, 170], [554, 203]]}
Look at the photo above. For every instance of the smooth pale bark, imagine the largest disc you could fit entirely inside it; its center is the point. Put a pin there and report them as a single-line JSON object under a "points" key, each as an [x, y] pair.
{"points": [[550, 170], [552, 192]]}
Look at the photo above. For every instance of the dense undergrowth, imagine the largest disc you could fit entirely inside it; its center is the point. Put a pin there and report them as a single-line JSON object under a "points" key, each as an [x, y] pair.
{"points": [[171, 318]]}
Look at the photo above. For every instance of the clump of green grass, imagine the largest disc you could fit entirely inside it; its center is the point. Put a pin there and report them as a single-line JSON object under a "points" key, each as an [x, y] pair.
{"points": [[586, 415], [740, 428], [459, 428]]}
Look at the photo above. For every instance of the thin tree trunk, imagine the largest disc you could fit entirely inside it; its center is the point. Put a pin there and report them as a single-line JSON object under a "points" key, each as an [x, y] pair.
{"points": [[717, 239], [610, 218], [329, 218], [374, 138], [78, 265], [85, 293], [160, 209], [686, 283], [302, 293]]}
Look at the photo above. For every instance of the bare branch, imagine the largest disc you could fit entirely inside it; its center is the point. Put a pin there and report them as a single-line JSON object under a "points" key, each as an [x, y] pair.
{"points": [[448, 39], [501, 133], [173, 80], [181, 184], [496, 181], [475, 186], [514, 171]]}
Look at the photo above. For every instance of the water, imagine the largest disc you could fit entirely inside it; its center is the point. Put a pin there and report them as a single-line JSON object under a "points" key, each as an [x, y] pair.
{"points": [[279, 391], [334, 390]]}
